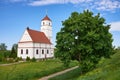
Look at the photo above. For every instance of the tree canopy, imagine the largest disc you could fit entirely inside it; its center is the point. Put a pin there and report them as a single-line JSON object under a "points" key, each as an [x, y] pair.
{"points": [[13, 53], [84, 37], [3, 46]]}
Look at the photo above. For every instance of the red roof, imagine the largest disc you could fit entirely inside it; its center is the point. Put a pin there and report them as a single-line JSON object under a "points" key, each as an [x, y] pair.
{"points": [[38, 37], [46, 18]]}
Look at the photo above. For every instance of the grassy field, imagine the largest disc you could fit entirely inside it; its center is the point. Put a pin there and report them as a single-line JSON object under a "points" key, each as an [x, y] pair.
{"points": [[68, 76], [31, 70], [107, 69]]}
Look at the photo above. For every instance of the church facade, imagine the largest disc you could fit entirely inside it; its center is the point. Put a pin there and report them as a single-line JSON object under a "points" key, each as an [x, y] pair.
{"points": [[37, 44]]}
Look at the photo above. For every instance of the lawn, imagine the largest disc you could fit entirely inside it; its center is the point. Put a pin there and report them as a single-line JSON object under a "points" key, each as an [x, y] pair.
{"points": [[32, 70], [67, 76], [107, 69]]}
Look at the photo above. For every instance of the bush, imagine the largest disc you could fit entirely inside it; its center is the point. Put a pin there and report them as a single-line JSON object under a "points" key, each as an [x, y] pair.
{"points": [[20, 58], [33, 59], [28, 58], [0, 59], [17, 59], [10, 60], [4, 59]]}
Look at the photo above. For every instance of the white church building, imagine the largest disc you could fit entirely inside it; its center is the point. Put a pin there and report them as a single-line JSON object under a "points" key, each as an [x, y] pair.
{"points": [[37, 44]]}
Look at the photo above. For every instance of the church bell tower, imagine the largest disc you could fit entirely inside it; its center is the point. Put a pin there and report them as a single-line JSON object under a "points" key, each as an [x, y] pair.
{"points": [[46, 27]]}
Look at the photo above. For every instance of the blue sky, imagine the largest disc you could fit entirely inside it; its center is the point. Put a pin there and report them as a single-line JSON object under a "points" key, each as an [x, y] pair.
{"points": [[16, 15]]}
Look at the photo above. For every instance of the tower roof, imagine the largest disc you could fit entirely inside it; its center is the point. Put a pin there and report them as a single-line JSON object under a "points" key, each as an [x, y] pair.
{"points": [[46, 18]]}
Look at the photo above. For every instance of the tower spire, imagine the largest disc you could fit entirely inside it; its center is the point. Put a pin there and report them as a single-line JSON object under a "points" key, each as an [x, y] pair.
{"points": [[46, 11]]}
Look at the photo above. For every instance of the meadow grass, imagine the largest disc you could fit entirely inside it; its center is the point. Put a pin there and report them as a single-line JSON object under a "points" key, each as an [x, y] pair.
{"points": [[107, 69], [68, 75], [32, 70]]}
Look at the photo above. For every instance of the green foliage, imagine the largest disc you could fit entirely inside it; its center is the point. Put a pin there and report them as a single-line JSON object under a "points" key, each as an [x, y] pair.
{"points": [[33, 59], [10, 60], [3, 46], [28, 58], [20, 58], [107, 69], [6, 54], [3, 55], [17, 59], [84, 37], [14, 51]]}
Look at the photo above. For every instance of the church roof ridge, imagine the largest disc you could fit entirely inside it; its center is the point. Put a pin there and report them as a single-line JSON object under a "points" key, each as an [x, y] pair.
{"points": [[38, 37]]}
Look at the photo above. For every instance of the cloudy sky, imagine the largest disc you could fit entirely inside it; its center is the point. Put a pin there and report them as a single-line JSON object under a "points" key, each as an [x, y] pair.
{"points": [[16, 15]]}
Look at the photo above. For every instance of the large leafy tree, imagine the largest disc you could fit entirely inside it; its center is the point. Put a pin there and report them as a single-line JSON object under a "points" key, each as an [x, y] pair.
{"points": [[84, 37]]}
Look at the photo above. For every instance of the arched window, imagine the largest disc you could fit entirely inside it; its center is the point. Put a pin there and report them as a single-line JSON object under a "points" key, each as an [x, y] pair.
{"points": [[42, 51], [49, 23], [37, 51], [43, 23], [47, 51], [21, 51], [26, 51]]}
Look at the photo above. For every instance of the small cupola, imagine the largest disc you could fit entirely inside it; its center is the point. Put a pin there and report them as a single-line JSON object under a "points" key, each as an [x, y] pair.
{"points": [[46, 21]]}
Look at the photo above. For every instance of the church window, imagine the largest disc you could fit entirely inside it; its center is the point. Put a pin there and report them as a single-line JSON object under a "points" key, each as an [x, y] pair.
{"points": [[47, 51], [21, 51], [43, 23], [26, 51], [49, 24], [37, 51], [42, 51]]}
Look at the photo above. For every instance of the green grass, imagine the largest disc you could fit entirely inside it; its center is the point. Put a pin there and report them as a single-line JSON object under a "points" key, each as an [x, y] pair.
{"points": [[67, 76], [107, 69], [31, 70]]}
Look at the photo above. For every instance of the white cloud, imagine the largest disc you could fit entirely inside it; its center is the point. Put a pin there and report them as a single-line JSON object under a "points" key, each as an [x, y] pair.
{"points": [[115, 26], [104, 5], [47, 2], [107, 5]]}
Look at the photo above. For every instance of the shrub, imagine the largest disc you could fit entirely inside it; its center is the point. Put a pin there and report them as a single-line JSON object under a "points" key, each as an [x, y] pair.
{"points": [[28, 58], [20, 58], [0, 59], [17, 59], [4, 59], [10, 60], [33, 59]]}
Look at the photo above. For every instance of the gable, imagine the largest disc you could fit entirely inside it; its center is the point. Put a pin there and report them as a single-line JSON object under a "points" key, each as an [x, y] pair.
{"points": [[26, 37]]}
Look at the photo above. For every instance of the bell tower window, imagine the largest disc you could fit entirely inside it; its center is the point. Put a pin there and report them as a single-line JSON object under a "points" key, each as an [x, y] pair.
{"points": [[43, 23]]}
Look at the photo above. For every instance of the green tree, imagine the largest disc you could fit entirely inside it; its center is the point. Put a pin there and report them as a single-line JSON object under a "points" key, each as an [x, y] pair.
{"points": [[3, 46], [14, 51], [84, 37]]}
